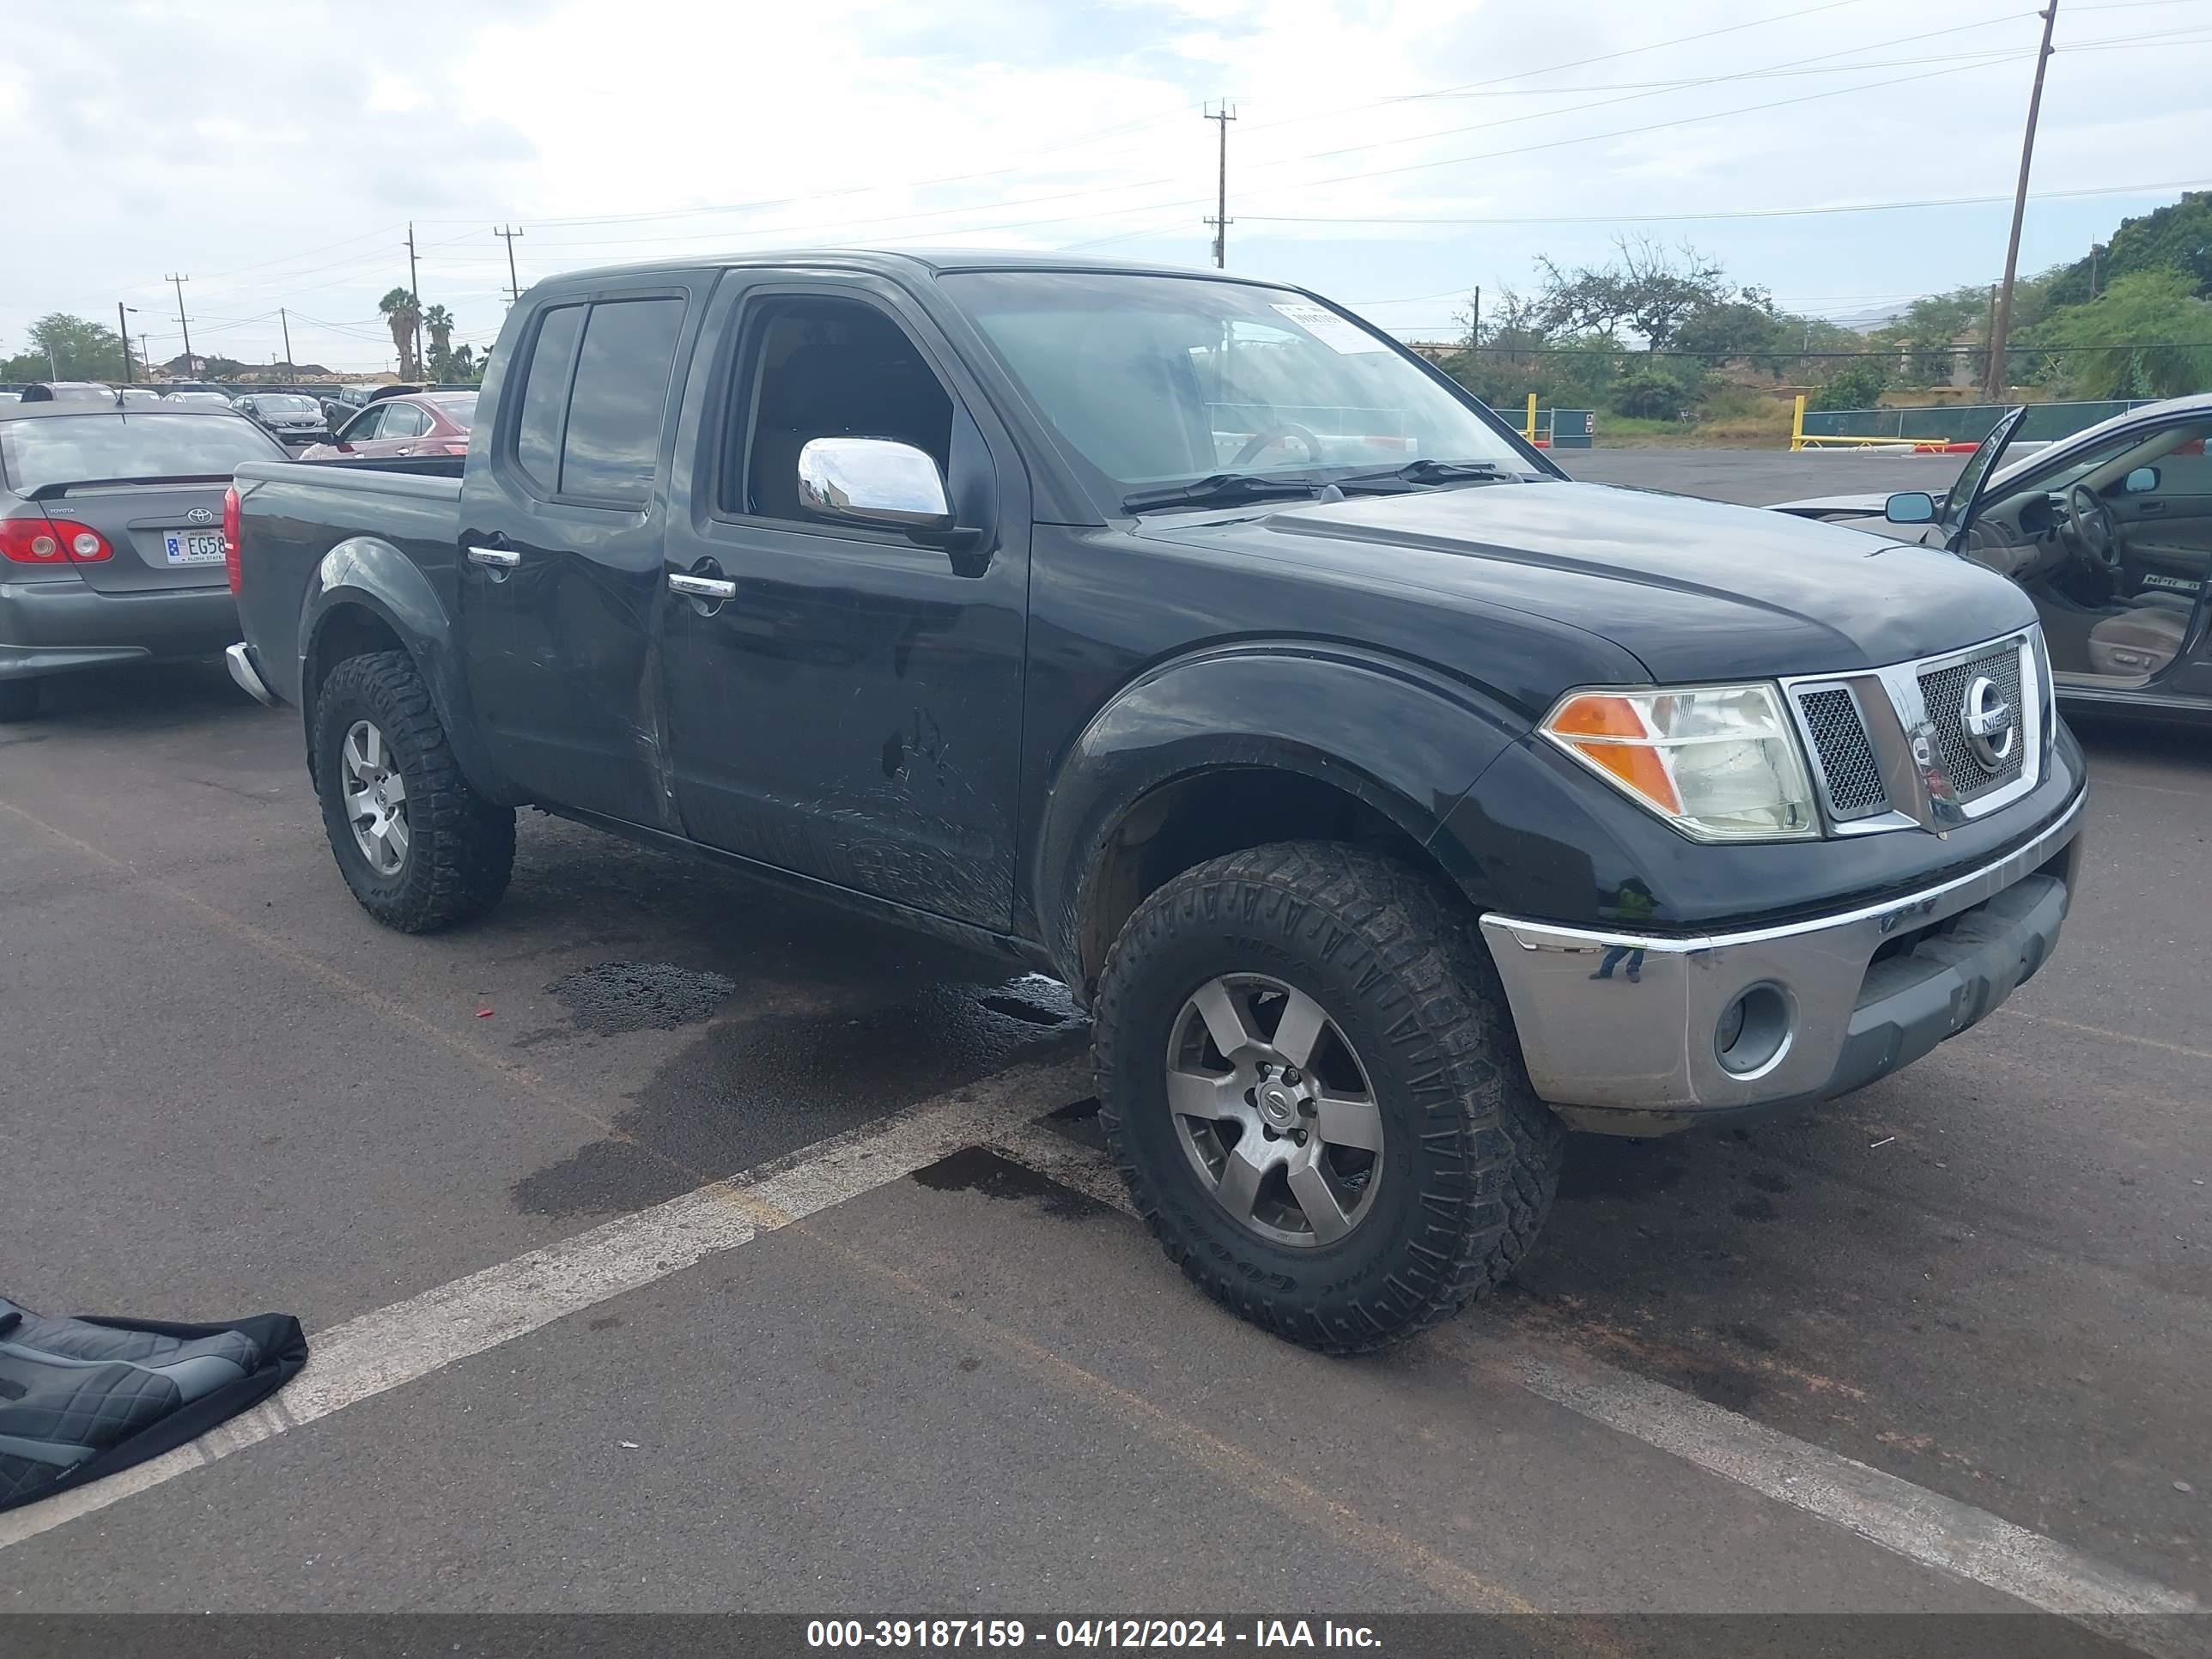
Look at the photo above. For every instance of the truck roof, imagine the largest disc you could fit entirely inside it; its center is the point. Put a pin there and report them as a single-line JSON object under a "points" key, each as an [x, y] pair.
{"points": [[907, 261]]}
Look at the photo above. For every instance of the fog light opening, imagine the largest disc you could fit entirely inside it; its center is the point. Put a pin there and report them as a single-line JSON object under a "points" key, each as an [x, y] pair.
{"points": [[1753, 1030]]}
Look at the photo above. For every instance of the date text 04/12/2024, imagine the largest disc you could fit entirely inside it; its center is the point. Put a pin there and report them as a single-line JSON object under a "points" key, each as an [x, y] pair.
{"points": [[1085, 1633]]}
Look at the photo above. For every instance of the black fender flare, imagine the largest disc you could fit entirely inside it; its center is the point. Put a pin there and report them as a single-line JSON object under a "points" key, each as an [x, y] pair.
{"points": [[364, 574], [1402, 739]]}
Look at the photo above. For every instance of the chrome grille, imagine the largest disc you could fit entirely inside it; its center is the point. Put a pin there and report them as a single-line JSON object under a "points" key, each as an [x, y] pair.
{"points": [[1848, 766], [1944, 691]]}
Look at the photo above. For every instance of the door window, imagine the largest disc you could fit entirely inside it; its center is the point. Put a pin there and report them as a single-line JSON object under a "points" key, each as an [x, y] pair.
{"points": [[616, 411], [825, 368], [545, 397], [363, 426], [404, 421]]}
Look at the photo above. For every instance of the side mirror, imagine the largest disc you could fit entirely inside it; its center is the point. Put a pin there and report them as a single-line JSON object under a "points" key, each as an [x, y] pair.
{"points": [[2141, 482], [873, 481], [1910, 507]]}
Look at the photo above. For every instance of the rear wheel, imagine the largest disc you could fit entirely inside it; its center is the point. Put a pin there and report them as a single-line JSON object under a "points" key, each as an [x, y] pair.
{"points": [[19, 699], [421, 850], [1310, 1082]]}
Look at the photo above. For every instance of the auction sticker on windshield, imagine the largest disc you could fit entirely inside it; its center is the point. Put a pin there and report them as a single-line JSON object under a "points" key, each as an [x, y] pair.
{"points": [[1331, 329], [192, 546]]}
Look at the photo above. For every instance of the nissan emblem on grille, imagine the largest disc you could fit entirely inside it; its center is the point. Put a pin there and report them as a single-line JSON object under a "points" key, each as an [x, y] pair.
{"points": [[1992, 729]]}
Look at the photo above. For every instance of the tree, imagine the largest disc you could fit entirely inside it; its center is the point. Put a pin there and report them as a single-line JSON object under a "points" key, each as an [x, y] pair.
{"points": [[1648, 288], [402, 312], [2156, 333], [439, 322], [81, 350], [2176, 237], [1858, 385]]}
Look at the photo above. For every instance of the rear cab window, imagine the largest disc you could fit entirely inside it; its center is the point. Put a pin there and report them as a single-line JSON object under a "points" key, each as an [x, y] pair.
{"points": [[588, 426]]}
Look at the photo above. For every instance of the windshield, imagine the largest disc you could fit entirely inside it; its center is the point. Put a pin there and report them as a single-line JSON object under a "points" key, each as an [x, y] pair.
{"points": [[77, 448], [460, 407], [1159, 381]]}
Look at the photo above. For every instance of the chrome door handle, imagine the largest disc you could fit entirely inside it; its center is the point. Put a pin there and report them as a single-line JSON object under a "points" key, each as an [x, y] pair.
{"points": [[497, 557], [701, 587]]}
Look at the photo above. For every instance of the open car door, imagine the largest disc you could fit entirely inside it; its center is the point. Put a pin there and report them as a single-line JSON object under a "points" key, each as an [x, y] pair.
{"points": [[1964, 501]]}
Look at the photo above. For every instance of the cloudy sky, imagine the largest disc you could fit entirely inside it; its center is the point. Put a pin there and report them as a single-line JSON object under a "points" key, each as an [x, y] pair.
{"points": [[1391, 153]]}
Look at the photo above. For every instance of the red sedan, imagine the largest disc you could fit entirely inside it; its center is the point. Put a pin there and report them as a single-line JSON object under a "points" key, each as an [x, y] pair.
{"points": [[415, 423]]}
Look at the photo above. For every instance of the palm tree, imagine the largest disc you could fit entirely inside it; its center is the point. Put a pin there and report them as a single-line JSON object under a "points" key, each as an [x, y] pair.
{"points": [[403, 315], [439, 323]]}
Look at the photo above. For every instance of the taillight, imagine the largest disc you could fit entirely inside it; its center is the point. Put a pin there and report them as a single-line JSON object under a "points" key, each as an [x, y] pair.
{"points": [[52, 541], [457, 447], [232, 570]]}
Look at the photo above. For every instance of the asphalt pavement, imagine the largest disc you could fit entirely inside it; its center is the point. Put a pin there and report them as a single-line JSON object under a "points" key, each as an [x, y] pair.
{"points": [[677, 1246]]}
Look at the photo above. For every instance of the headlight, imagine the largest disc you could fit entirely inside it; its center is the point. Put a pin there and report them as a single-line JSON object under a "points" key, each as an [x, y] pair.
{"points": [[1719, 762]]}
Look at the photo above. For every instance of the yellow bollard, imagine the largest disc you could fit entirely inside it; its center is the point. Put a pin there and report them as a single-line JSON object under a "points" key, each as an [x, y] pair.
{"points": [[1797, 423], [1528, 428]]}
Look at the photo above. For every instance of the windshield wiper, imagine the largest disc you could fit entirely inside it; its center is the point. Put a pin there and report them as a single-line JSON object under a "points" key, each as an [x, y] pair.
{"points": [[1219, 489], [1424, 473]]}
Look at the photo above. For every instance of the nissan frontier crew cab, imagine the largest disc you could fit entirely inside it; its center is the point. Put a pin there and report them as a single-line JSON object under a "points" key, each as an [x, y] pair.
{"points": [[1395, 804]]}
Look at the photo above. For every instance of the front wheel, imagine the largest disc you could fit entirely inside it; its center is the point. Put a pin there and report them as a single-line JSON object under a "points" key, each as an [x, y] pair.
{"points": [[421, 850], [1309, 1078]]}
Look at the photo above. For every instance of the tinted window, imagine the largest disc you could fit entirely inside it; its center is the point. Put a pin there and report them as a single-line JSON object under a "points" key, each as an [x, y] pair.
{"points": [[77, 448], [622, 385], [405, 421], [362, 427], [545, 397]]}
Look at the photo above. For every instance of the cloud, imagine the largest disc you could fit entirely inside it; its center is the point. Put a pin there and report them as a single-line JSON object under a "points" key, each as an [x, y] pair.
{"points": [[276, 152]]}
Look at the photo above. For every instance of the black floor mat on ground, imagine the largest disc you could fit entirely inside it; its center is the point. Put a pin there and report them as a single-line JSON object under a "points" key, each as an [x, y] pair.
{"points": [[82, 1398]]}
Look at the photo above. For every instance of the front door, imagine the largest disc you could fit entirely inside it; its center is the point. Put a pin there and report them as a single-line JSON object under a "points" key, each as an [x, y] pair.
{"points": [[561, 526], [851, 709]]}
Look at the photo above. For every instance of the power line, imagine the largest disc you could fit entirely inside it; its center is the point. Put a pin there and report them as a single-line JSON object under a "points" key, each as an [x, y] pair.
{"points": [[1724, 212]]}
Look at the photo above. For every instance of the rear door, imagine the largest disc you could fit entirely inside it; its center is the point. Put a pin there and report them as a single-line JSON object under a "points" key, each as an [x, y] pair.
{"points": [[404, 427], [561, 525]]}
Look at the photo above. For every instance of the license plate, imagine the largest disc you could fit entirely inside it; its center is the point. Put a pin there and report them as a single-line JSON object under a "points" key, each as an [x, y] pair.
{"points": [[193, 546]]}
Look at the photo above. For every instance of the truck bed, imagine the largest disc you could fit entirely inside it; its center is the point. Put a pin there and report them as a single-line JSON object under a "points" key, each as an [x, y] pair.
{"points": [[292, 514]]}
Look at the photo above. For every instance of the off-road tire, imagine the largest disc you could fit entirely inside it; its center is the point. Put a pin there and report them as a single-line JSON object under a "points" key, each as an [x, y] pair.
{"points": [[19, 700], [1471, 1156], [461, 847]]}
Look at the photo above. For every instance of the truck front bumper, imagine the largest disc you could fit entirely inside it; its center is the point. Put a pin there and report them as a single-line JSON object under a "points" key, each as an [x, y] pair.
{"points": [[1646, 1034]]}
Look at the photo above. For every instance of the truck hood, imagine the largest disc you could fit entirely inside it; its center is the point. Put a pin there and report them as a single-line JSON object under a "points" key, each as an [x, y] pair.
{"points": [[1693, 589]]}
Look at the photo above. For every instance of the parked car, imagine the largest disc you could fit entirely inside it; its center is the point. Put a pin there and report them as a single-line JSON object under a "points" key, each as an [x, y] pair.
{"points": [[418, 423], [291, 417], [69, 392], [139, 396], [1391, 810], [2109, 532], [191, 398], [111, 537]]}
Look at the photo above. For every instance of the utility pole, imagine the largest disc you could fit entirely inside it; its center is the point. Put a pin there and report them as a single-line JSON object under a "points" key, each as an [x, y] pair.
{"points": [[181, 323], [2095, 248], [284, 321], [414, 295], [1220, 219], [2001, 322], [514, 284], [1474, 321], [122, 328]]}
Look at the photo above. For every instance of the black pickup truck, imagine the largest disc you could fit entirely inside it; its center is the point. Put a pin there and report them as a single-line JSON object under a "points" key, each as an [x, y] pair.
{"points": [[1395, 803]]}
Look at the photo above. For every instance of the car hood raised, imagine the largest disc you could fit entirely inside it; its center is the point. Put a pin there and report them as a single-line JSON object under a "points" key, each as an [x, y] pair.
{"points": [[1694, 589]]}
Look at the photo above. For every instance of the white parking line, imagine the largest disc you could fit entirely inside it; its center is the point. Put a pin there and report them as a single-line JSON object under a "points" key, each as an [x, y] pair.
{"points": [[1914, 1523], [378, 1351]]}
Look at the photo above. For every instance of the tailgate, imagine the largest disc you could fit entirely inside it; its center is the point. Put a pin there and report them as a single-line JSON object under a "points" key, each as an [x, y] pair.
{"points": [[164, 535]]}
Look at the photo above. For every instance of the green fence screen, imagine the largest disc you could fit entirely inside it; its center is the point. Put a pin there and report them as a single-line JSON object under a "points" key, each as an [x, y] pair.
{"points": [[1962, 422]]}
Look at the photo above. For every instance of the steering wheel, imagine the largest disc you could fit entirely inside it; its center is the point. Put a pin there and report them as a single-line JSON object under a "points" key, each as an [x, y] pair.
{"points": [[2089, 522], [1275, 434]]}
